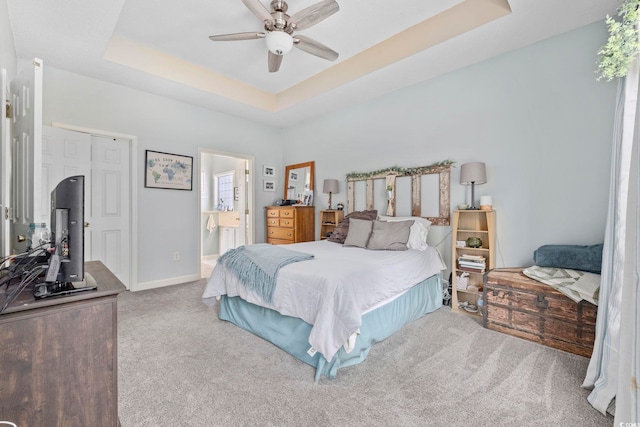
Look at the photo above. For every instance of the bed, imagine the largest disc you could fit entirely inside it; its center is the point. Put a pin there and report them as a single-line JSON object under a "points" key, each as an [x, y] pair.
{"points": [[328, 311]]}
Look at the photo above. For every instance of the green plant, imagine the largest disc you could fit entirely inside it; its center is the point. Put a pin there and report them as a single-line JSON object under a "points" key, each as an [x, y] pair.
{"points": [[616, 55]]}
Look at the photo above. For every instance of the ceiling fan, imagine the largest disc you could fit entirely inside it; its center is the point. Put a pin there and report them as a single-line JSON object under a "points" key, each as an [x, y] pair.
{"points": [[279, 28]]}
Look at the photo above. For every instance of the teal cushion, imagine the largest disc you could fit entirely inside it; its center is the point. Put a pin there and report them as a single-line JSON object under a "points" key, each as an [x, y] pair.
{"points": [[575, 257]]}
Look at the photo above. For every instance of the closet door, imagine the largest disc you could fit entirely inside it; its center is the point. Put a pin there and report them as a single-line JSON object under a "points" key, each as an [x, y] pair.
{"points": [[110, 229]]}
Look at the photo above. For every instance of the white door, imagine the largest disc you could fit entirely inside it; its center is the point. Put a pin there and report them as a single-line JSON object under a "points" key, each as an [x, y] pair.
{"points": [[26, 152], [241, 182], [64, 154], [110, 205], [5, 170]]}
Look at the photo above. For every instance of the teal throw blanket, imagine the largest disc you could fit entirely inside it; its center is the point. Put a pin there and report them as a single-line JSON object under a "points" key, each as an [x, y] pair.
{"points": [[257, 266]]}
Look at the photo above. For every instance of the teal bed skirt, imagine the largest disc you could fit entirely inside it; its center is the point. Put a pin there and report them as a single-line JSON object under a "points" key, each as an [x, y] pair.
{"points": [[291, 334]]}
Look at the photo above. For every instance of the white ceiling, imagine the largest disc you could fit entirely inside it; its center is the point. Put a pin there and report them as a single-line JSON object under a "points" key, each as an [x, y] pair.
{"points": [[162, 47]]}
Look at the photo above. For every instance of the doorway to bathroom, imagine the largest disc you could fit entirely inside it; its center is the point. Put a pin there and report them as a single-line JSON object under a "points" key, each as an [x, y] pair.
{"points": [[226, 205]]}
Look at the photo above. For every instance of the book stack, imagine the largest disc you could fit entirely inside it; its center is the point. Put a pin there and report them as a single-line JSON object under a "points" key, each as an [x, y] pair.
{"points": [[475, 263]]}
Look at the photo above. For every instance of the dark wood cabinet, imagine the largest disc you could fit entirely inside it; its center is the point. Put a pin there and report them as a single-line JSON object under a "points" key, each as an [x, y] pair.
{"points": [[59, 358], [520, 306]]}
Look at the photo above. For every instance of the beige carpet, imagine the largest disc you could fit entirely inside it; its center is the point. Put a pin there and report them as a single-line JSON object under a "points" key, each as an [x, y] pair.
{"points": [[179, 365]]}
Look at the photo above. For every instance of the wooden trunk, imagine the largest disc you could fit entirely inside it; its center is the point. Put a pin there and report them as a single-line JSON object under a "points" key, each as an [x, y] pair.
{"points": [[517, 305]]}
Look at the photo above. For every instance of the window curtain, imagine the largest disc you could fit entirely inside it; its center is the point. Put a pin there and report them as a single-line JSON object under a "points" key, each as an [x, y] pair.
{"points": [[615, 363]]}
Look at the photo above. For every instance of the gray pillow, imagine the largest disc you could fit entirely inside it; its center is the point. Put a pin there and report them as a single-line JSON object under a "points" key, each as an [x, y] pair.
{"points": [[339, 233], [359, 232], [390, 236]]}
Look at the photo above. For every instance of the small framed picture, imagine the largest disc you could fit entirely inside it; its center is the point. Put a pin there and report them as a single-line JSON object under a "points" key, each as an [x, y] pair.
{"points": [[308, 199], [269, 171], [293, 176], [269, 185]]}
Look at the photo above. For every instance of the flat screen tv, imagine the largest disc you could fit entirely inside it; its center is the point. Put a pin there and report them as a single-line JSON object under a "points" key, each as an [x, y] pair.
{"points": [[65, 271]]}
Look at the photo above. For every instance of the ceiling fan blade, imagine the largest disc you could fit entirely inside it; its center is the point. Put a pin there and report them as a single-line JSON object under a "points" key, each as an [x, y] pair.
{"points": [[258, 9], [315, 48], [237, 36], [274, 62], [313, 14]]}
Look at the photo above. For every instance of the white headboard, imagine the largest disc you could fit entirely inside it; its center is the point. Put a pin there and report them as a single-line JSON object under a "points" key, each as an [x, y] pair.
{"points": [[389, 175]]}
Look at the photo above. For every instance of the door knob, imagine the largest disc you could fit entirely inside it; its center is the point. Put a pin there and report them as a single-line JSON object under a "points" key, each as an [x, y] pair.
{"points": [[86, 224]]}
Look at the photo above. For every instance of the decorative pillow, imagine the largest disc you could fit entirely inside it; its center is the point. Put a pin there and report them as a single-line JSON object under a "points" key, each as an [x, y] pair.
{"points": [[390, 236], [419, 230], [575, 257], [342, 229], [359, 232]]}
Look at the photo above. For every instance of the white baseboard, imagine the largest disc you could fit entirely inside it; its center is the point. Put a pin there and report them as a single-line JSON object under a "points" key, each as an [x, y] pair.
{"points": [[143, 286]]}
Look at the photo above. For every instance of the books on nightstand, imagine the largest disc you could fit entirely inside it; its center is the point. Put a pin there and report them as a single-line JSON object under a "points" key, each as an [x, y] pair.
{"points": [[474, 263]]}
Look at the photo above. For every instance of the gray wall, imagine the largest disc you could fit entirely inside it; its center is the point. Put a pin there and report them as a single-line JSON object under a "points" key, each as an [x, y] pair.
{"points": [[168, 220], [535, 116]]}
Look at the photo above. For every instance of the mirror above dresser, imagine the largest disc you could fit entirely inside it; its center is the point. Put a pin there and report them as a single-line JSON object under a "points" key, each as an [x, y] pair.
{"points": [[298, 181]]}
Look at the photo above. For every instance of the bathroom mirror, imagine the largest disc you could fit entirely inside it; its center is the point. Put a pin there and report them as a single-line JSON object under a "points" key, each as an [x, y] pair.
{"points": [[298, 181]]}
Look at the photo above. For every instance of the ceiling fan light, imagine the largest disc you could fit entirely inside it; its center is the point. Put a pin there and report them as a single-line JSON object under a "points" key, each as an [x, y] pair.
{"points": [[279, 42]]}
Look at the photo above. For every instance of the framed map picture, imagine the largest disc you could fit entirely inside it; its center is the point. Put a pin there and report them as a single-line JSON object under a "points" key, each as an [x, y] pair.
{"points": [[170, 171]]}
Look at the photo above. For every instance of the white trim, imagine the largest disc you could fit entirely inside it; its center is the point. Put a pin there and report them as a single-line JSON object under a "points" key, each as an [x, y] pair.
{"points": [[133, 189], [143, 286]]}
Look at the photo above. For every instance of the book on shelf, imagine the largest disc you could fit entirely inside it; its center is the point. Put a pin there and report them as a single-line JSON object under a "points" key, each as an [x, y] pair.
{"points": [[471, 270], [474, 261], [472, 264], [469, 256]]}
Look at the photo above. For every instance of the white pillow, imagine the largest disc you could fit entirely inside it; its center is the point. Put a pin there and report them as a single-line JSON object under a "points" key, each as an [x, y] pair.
{"points": [[418, 232]]}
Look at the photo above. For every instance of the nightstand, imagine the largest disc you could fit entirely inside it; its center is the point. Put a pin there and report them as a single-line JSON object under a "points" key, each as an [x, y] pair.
{"points": [[328, 221]]}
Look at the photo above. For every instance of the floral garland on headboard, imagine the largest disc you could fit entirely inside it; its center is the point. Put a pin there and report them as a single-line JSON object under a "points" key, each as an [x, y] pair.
{"points": [[396, 170], [443, 169]]}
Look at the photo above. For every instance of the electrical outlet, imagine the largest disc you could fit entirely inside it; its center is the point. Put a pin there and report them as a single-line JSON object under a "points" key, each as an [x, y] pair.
{"points": [[176, 256]]}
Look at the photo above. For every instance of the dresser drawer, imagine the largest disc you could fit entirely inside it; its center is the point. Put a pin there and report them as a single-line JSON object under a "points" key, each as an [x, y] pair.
{"points": [[273, 222], [279, 242], [287, 222], [287, 212], [273, 213], [280, 233]]}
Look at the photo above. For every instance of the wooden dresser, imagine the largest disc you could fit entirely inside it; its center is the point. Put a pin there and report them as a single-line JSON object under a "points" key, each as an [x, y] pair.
{"points": [[290, 224], [59, 358]]}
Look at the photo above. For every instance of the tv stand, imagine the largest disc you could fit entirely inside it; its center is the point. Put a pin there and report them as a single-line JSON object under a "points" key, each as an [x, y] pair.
{"points": [[59, 358], [58, 289]]}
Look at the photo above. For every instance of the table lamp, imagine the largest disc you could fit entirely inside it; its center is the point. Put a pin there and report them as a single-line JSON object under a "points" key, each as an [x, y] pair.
{"points": [[473, 173], [330, 186]]}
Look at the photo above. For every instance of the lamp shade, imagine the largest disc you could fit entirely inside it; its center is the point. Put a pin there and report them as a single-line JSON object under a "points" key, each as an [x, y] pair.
{"points": [[279, 42], [330, 186], [473, 173]]}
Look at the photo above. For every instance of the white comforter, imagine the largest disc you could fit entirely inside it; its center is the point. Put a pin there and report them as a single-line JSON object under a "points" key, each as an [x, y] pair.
{"points": [[332, 291]]}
